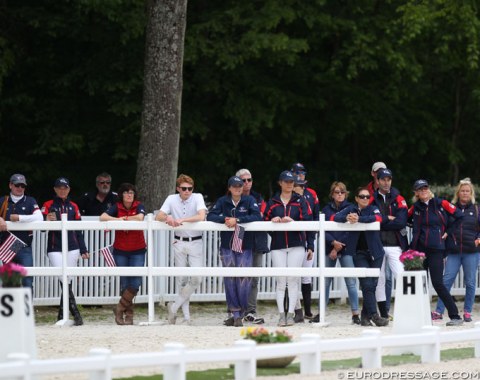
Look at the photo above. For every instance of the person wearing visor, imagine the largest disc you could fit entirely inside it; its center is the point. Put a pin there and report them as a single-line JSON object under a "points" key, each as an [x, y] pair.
{"points": [[434, 219], [20, 208], [184, 207]]}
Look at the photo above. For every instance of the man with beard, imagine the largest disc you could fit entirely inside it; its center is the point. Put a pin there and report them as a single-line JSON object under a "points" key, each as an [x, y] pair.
{"points": [[95, 203]]}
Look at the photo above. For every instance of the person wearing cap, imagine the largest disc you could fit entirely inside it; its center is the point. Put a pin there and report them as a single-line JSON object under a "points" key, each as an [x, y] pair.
{"points": [[129, 249], [434, 219], [373, 185], [393, 233], [53, 210], [260, 247], [236, 250], [463, 248], [335, 242], [288, 247], [367, 250], [95, 203], [184, 207], [20, 208]]}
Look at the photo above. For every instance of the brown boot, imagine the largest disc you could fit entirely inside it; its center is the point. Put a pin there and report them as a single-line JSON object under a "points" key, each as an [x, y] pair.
{"points": [[120, 309], [129, 295]]}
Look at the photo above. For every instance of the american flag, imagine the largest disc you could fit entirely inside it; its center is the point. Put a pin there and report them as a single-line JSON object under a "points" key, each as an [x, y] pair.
{"points": [[237, 239], [10, 247], [107, 256]]}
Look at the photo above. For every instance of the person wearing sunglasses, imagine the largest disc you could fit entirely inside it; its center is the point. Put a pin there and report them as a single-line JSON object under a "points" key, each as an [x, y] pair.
{"points": [[236, 247], [367, 251], [260, 247], [393, 232], [20, 208], [335, 242], [129, 249], [433, 219], [52, 211], [288, 248], [95, 203], [184, 207]]}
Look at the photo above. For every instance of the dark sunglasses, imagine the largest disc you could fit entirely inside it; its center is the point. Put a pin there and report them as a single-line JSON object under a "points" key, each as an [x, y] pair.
{"points": [[104, 182], [23, 186], [245, 180], [339, 192], [364, 196], [186, 188]]}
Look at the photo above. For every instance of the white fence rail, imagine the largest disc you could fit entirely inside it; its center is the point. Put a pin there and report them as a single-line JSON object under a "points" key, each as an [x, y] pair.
{"points": [[244, 355]]}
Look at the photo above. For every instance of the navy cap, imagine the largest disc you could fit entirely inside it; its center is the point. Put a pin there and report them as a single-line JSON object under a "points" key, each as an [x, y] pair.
{"points": [[235, 181], [62, 181], [18, 178], [382, 173], [286, 175], [299, 181], [419, 183], [298, 167]]}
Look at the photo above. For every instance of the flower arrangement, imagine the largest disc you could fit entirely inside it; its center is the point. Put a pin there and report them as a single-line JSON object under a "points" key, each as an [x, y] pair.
{"points": [[11, 275], [412, 260], [262, 335]]}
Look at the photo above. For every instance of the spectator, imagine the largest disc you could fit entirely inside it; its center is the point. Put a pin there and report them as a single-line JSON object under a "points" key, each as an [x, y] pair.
{"points": [[21, 208], [335, 248], [393, 232], [129, 249], [463, 249], [310, 195], [234, 209], [288, 248], [367, 250], [260, 247], [373, 185], [185, 206], [53, 210], [95, 203], [431, 226]]}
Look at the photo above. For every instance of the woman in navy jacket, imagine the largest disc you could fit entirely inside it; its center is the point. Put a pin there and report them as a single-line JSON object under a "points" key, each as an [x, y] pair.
{"points": [[367, 250], [463, 249], [232, 209], [431, 226], [288, 247]]}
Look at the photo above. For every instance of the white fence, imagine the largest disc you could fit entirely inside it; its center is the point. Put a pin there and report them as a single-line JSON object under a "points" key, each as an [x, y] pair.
{"points": [[174, 359]]}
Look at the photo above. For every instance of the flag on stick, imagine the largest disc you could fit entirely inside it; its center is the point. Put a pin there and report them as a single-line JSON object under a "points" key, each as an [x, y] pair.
{"points": [[237, 240], [107, 256], [10, 248]]}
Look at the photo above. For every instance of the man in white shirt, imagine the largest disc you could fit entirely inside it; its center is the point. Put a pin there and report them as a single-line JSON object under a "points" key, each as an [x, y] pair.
{"points": [[185, 206]]}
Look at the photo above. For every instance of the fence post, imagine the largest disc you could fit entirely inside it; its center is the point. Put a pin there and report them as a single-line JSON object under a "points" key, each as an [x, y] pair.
{"points": [[311, 363], [431, 352], [246, 369], [372, 357], [106, 373], [477, 342], [25, 359], [151, 290], [175, 371]]}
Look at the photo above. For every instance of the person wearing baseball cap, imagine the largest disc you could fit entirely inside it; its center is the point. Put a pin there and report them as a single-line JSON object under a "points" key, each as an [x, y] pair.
{"points": [[434, 219], [373, 185], [236, 246], [393, 234], [288, 249], [20, 208], [53, 210]]}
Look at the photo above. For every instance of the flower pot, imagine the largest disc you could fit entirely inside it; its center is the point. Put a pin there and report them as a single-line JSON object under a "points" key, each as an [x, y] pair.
{"points": [[17, 324], [275, 362]]}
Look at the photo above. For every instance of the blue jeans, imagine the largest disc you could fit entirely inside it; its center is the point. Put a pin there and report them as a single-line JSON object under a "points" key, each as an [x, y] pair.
{"points": [[129, 259], [24, 257], [368, 284], [237, 289], [346, 261], [469, 263]]}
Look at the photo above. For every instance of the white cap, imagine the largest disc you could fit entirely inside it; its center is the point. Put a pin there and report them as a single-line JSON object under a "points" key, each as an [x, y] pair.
{"points": [[378, 165]]}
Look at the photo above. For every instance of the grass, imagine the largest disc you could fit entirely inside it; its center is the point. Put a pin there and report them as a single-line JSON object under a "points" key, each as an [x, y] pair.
{"points": [[328, 365]]}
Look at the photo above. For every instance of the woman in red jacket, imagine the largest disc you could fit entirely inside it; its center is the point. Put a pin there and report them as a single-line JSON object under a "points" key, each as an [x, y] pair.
{"points": [[129, 249]]}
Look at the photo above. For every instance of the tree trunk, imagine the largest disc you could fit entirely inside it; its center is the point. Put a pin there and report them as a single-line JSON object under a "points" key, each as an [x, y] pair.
{"points": [[162, 95]]}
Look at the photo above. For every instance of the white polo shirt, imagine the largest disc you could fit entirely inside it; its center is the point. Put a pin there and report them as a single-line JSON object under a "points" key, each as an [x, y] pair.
{"points": [[178, 208]]}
